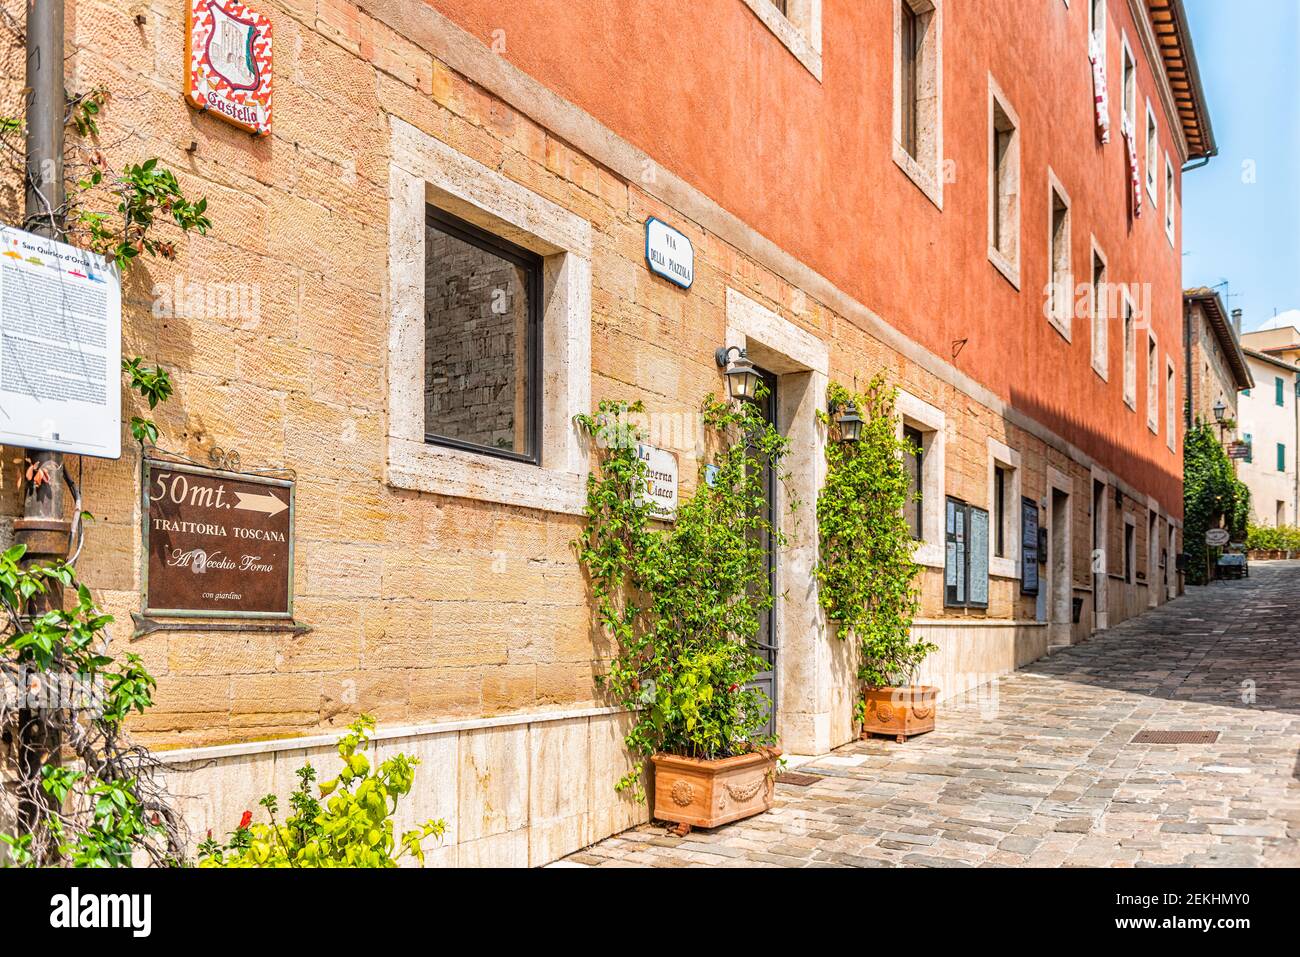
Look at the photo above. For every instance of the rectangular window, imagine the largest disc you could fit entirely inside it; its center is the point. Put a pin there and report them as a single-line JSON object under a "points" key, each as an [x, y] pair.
{"points": [[911, 53], [1097, 24], [1279, 396], [1097, 295], [780, 7], [1130, 553], [966, 570], [481, 348], [915, 469], [918, 90], [1169, 198], [1153, 385], [1129, 88], [1153, 152], [999, 511], [1281, 457], [1130, 357], [1060, 299], [1004, 186]]}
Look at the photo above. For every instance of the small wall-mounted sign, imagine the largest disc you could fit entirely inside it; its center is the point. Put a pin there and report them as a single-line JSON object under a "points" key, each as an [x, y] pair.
{"points": [[661, 482], [217, 544], [669, 253], [60, 347], [228, 63]]}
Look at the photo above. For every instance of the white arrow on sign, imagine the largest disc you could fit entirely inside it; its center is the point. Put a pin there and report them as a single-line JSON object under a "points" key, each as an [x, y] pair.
{"points": [[268, 503]]}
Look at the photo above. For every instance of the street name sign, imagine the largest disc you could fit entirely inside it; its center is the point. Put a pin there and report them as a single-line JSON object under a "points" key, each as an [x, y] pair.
{"points": [[669, 253], [217, 544], [228, 63], [60, 347]]}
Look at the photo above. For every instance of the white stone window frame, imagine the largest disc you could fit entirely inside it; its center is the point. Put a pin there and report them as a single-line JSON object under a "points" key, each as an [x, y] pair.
{"points": [[925, 170], [1128, 97], [1130, 348], [1097, 27], [1059, 305], [425, 171], [932, 423], [1171, 381], [799, 29], [1169, 200], [1153, 382], [1152, 133], [1001, 454], [1099, 310], [1008, 266]]}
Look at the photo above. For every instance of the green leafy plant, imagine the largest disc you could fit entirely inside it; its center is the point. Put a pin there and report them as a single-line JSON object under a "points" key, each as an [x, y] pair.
{"points": [[1213, 497], [144, 192], [1268, 538], [155, 385], [865, 572], [682, 603], [349, 825], [100, 814]]}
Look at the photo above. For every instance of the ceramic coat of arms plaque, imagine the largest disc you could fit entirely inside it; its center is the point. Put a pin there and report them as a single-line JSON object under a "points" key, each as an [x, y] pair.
{"points": [[228, 63]]}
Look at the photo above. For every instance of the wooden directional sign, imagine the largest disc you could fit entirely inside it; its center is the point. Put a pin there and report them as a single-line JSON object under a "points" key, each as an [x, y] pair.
{"points": [[217, 544]]}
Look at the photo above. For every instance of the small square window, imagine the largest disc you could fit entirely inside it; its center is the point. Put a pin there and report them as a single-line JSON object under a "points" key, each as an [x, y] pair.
{"points": [[481, 347]]}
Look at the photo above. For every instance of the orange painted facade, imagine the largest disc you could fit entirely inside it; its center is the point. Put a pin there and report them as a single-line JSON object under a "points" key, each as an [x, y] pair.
{"points": [[718, 100]]}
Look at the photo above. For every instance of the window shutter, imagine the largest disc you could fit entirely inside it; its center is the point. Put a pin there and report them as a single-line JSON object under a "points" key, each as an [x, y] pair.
{"points": [[1250, 448], [1281, 457], [1277, 384]]}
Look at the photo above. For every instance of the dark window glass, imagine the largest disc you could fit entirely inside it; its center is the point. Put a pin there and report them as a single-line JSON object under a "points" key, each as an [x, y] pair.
{"points": [[1128, 553], [911, 54], [999, 511], [481, 356], [915, 465], [780, 6]]}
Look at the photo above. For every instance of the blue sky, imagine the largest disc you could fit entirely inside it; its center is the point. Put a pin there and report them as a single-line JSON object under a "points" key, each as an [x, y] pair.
{"points": [[1246, 232]]}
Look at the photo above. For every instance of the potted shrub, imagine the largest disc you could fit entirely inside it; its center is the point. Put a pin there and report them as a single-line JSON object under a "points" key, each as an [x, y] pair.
{"points": [[681, 603], [865, 572]]}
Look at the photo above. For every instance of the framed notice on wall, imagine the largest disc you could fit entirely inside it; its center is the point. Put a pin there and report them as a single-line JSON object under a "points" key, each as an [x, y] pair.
{"points": [[1028, 547], [217, 544], [966, 558], [60, 347]]}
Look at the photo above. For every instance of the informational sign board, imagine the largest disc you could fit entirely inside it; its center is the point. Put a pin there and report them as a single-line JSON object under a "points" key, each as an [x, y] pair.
{"points": [[966, 558], [217, 544], [228, 63], [1238, 450], [1217, 537], [60, 347], [669, 253], [661, 482], [1028, 547]]}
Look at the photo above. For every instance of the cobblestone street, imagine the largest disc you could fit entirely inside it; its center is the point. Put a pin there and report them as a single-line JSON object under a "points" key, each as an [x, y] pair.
{"points": [[1041, 769]]}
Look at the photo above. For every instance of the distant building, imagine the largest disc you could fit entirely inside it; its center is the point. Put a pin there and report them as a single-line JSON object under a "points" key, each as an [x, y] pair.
{"points": [[1214, 366], [1269, 424]]}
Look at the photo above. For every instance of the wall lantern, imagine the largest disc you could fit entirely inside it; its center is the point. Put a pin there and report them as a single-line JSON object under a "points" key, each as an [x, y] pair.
{"points": [[850, 424], [1219, 410], [742, 377]]}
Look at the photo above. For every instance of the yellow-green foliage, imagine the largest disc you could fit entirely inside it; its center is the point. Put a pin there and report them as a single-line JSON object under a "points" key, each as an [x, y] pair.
{"points": [[349, 826]]}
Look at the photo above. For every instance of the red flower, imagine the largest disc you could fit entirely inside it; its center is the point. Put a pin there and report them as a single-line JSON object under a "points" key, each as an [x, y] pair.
{"points": [[733, 688], [246, 820]]}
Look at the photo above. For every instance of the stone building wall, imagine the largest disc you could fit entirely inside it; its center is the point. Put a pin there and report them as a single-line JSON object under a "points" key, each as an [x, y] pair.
{"points": [[462, 619]]}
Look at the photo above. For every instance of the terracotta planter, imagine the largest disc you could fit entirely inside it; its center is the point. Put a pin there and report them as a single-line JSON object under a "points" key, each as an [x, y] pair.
{"points": [[708, 793], [899, 712]]}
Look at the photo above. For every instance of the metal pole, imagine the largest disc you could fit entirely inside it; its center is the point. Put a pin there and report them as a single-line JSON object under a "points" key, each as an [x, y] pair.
{"points": [[42, 527]]}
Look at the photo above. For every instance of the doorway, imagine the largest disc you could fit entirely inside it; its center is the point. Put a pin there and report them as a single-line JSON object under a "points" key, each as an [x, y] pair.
{"points": [[1099, 610], [1059, 563], [765, 642]]}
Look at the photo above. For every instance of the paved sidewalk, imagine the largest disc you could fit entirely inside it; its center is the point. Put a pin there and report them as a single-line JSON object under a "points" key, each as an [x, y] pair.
{"points": [[1040, 770]]}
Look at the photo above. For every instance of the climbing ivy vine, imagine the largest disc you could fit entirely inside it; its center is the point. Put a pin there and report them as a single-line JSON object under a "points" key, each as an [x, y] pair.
{"points": [[1213, 497], [681, 602], [865, 572]]}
